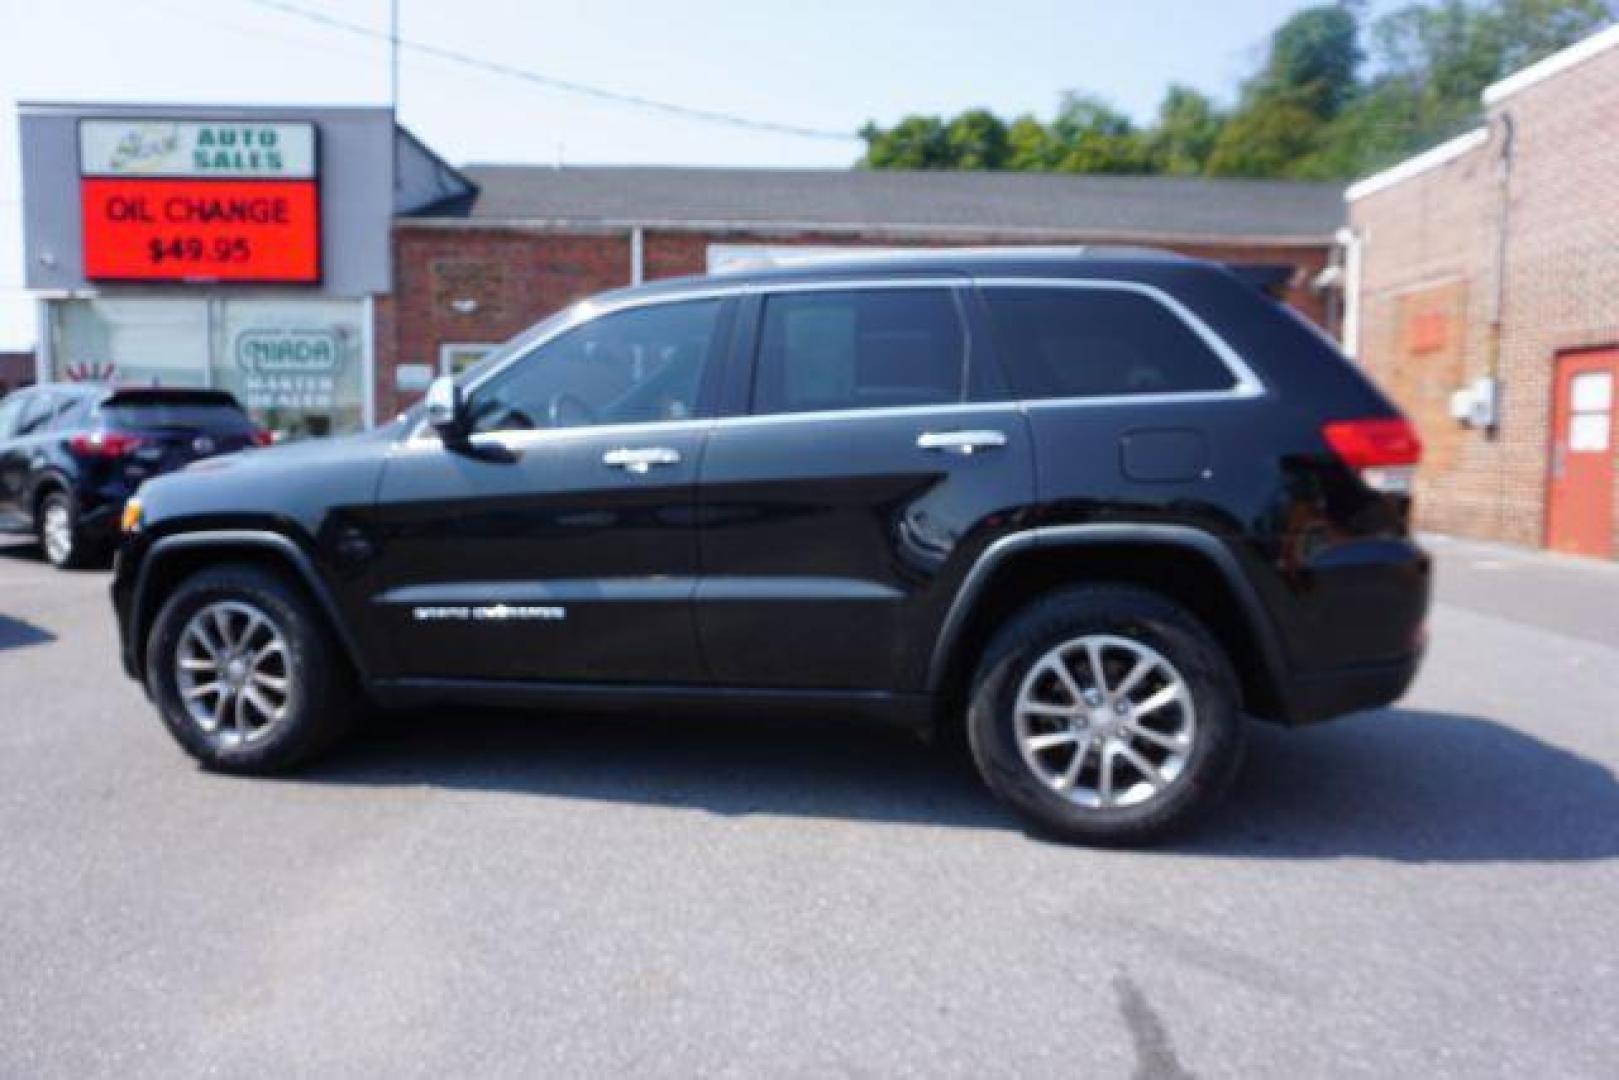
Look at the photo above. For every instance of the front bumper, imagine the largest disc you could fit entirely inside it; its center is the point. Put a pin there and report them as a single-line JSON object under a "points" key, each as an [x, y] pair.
{"points": [[124, 589], [1325, 695]]}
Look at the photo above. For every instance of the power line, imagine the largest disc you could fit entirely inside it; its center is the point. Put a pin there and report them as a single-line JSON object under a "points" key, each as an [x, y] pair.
{"points": [[551, 82]]}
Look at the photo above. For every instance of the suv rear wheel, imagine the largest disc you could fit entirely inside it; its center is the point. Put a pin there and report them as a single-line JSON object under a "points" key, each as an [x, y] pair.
{"points": [[1106, 714], [245, 673], [59, 536]]}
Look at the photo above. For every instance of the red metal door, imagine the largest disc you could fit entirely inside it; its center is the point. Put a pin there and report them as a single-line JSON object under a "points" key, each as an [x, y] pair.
{"points": [[1579, 496]]}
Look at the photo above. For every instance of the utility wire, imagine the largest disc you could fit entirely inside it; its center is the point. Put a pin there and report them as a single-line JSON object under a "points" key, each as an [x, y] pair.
{"points": [[553, 83]]}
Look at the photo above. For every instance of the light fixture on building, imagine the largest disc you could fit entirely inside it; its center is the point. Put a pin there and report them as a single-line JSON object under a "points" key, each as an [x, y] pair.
{"points": [[463, 305]]}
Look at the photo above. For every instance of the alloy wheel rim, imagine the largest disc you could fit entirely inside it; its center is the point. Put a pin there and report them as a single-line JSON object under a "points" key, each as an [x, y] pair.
{"points": [[58, 530], [234, 673], [1105, 722]]}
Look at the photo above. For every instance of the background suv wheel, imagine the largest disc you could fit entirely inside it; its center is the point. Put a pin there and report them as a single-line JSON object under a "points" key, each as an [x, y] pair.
{"points": [[59, 537], [1106, 714], [245, 673]]}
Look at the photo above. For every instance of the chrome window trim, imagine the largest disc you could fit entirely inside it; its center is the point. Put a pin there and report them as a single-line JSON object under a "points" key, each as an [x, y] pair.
{"points": [[519, 440], [886, 412], [522, 439], [1247, 383]]}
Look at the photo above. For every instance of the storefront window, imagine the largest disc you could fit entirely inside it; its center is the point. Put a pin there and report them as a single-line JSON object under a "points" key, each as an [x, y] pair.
{"points": [[135, 342], [297, 366]]}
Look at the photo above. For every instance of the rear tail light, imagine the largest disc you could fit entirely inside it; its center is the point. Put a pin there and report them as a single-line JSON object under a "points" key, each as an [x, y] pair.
{"points": [[104, 444], [263, 437], [1385, 451]]}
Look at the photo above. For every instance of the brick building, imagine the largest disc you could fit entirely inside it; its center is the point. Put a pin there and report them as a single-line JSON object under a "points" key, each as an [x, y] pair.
{"points": [[323, 264], [1484, 294], [533, 239], [16, 369]]}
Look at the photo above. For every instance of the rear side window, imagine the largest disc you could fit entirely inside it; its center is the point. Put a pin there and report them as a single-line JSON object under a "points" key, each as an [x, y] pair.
{"points": [[1098, 342], [71, 411], [210, 417], [860, 349], [11, 409], [36, 414]]}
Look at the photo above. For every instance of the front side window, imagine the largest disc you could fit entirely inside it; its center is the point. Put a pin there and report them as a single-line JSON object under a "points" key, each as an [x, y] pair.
{"points": [[1098, 342], [632, 367], [860, 349]]}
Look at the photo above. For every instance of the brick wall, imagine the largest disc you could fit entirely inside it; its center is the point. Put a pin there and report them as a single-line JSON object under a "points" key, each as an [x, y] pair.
{"points": [[458, 283], [1430, 242], [16, 369]]}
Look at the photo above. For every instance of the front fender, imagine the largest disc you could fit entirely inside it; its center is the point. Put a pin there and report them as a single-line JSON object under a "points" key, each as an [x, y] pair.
{"points": [[148, 569]]}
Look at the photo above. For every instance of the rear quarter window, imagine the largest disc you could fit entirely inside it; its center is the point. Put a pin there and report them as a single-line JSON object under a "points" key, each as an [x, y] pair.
{"points": [[1098, 342]]}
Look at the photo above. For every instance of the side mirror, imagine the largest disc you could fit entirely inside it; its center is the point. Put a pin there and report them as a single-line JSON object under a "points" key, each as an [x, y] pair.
{"points": [[446, 411]]}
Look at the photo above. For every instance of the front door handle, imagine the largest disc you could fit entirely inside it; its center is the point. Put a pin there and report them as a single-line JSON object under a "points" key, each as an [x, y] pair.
{"points": [[641, 460], [964, 443]]}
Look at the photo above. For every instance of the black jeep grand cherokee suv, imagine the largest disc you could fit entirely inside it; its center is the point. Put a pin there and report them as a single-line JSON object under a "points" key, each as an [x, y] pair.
{"points": [[1093, 507]]}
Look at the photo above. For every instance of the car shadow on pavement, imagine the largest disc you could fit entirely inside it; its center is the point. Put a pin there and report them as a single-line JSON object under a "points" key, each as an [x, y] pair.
{"points": [[17, 634], [1400, 785], [1415, 786], [777, 765]]}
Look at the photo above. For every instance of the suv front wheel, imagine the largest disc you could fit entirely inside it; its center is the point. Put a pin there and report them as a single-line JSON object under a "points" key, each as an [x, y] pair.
{"points": [[1106, 714], [244, 672]]}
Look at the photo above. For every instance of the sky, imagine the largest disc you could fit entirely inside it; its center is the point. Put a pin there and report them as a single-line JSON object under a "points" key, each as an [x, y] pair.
{"points": [[827, 65]]}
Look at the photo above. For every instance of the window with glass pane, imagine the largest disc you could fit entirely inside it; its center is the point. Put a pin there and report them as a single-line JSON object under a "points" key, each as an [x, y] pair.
{"points": [[37, 414], [860, 349], [632, 367], [11, 408], [144, 342], [297, 366], [1098, 342]]}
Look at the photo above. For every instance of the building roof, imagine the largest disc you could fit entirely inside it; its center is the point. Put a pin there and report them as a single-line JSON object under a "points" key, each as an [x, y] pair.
{"points": [[1111, 207], [1553, 65], [1428, 160]]}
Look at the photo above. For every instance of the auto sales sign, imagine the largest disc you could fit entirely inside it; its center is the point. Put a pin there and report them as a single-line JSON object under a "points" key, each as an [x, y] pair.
{"points": [[199, 201]]}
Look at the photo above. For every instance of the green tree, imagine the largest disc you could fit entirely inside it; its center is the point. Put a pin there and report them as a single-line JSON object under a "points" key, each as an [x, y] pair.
{"points": [[1308, 112], [1091, 136], [1184, 135], [1314, 60], [916, 142], [1309, 76], [977, 139], [1433, 61], [1031, 147], [1267, 138]]}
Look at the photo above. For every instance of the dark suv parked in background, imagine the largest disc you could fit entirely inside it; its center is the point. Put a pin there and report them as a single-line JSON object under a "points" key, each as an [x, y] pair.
{"points": [[70, 454], [1093, 509]]}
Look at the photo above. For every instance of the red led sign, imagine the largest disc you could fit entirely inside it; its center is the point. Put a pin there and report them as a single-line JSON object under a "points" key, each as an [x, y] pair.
{"points": [[152, 229]]}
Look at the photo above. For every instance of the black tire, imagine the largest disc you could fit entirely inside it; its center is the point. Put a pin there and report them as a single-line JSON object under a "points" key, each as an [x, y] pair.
{"points": [[320, 702], [79, 552], [1205, 771]]}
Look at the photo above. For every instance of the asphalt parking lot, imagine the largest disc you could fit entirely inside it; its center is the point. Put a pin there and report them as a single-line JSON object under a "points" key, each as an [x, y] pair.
{"points": [[1430, 890]]}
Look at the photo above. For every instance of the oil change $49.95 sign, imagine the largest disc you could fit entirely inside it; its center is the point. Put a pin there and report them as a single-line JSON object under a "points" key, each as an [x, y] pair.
{"points": [[199, 201]]}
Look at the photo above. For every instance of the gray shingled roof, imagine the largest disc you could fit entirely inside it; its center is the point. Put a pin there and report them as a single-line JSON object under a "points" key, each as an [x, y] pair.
{"points": [[1101, 206]]}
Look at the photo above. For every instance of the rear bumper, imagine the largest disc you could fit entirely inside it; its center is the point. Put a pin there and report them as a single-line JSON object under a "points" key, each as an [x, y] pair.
{"points": [[1324, 695], [99, 522]]}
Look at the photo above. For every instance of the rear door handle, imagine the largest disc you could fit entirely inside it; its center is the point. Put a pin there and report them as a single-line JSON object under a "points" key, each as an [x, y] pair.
{"points": [[640, 461], [964, 443]]}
